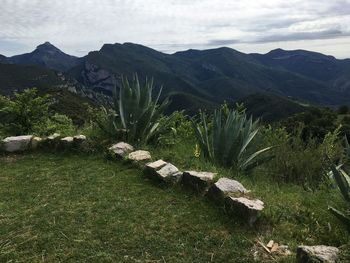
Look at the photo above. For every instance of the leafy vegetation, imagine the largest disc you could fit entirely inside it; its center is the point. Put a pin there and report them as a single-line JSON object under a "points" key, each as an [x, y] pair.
{"points": [[133, 115], [28, 113], [227, 139], [343, 182]]}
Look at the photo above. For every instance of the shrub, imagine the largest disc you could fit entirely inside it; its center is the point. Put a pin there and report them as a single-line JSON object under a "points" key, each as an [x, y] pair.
{"points": [[133, 115], [56, 123], [226, 139], [176, 128], [296, 160], [23, 112]]}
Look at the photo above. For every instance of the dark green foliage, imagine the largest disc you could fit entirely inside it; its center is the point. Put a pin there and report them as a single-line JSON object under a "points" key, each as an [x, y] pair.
{"points": [[316, 123], [21, 114], [343, 109]]}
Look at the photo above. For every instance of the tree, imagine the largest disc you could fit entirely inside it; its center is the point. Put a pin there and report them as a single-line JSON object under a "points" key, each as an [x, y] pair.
{"points": [[19, 115]]}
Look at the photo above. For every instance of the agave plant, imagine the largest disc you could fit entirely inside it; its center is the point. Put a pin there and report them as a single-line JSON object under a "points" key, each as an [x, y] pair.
{"points": [[228, 138], [343, 181], [138, 113]]}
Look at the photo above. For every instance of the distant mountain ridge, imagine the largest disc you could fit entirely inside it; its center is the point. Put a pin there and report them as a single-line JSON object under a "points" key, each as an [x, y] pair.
{"points": [[45, 55], [206, 78]]}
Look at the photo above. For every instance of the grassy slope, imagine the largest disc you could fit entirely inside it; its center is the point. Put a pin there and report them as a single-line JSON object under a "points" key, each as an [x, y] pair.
{"points": [[84, 209], [292, 215]]}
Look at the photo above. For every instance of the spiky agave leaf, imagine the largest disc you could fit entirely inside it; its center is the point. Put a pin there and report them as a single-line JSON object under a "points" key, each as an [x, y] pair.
{"points": [[228, 139], [345, 219], [138, 112], [342, 180]]}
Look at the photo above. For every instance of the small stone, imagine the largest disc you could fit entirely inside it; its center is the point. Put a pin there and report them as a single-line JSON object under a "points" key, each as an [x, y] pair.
{"points": [[199, 181], [67, 139], [245, 208], [121, 149], [17, 143], [317, 253], [156, 165], [226, 186], [270, 244], [54, 136], [140, 156], [169, 173]]}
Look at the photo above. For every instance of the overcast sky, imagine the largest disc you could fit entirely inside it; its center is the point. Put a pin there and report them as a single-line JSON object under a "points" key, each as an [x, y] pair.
{"points": [[79, 26]]}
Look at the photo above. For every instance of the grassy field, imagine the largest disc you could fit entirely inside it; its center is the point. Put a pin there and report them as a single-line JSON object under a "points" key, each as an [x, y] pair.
{"points": [[70, 208], [85, 209]]}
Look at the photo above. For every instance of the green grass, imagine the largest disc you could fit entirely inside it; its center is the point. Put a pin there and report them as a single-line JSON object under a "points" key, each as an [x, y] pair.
{"points": [[69, 208], [292, 216], [77, 208]]}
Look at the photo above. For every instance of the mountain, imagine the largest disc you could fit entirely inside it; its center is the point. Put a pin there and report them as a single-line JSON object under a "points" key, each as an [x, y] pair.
{"points": [[212, 75], [3, 59], [193, 79], [46, 55], [335, 73]]}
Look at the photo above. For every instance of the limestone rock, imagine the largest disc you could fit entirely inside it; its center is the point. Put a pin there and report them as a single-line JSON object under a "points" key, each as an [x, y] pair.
{"points": [[317, 253], [245, 208], [156, 165], [17, 143], [199, 181], [225, 186], [169, 173], [67, 140], [121, 149], [140, 156]]}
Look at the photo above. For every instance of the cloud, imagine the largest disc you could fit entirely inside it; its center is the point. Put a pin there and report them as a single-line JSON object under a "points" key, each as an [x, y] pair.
{"points": [[169, 25]]}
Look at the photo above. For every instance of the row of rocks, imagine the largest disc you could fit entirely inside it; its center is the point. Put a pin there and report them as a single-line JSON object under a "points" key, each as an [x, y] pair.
{"points": [[30, 142], [225, 191]]}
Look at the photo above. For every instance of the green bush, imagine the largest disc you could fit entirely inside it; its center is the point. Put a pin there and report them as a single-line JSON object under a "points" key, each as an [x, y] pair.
{"points": [[226, 139], [296, 160], [28, 113], [56, 123], [20, 114]]}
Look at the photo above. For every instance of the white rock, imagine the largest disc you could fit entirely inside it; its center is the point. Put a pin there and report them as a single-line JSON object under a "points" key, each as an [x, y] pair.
{"points": [[54, 136], [169, 173], [156, 165], [121, 149], [140, 156], [17, 143], [199, 181], [225, 186], [67, 139], [246, 208], [320, 253]]}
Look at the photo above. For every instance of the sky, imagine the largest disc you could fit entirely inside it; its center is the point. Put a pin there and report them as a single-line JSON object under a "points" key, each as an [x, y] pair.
{"points": [[250, 26]]}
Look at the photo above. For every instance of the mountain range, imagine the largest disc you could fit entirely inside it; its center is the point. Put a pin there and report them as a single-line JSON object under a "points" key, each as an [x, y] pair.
{"points": [[191, 78]]}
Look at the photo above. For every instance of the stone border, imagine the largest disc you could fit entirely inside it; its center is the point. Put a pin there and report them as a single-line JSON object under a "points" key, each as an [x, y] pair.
{"points": [[225, 192], [15, 144]]}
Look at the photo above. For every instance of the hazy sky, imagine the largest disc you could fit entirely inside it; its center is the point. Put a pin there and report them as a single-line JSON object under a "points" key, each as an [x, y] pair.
{"points": [[79, 26]]}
